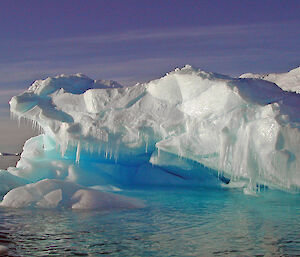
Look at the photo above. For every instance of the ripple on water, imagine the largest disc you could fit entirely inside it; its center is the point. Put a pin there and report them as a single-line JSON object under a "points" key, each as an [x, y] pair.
{"points": [[175, 222]]}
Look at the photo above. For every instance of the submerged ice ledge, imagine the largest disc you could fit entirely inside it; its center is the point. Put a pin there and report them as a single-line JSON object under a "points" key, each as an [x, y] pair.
{"points": [[189, 127], [51, 193]]}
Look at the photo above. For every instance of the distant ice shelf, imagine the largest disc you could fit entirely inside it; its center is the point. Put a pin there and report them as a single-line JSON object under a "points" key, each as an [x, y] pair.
{"points": [[189, 127]]}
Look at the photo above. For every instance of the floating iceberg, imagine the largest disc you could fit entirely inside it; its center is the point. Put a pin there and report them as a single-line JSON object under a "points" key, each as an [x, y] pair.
{"points": [[189, 127]]}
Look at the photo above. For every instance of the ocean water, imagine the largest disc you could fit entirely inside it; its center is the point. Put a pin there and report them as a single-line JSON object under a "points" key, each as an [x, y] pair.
{"points": [[175, 222]]}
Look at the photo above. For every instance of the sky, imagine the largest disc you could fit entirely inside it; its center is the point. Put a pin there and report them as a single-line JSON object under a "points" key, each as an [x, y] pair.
{"points": [[138, 40]]}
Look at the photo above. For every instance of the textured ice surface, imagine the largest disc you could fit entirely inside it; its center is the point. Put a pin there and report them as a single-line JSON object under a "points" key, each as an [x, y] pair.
{"points": [[51, 193], [289, 81], [188, 127]]}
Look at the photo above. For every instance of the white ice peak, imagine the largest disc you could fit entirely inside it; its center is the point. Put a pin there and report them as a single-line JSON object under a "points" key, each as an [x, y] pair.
{"points": [[289, 81]]}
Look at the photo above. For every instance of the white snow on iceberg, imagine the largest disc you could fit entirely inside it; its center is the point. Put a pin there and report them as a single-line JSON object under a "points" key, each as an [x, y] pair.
{"points": [[188, 127], [289, 81]]}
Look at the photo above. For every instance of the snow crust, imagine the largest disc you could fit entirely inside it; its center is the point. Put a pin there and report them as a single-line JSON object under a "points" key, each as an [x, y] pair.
{"points": [[51, 193], [289, 81], [189, 127]]}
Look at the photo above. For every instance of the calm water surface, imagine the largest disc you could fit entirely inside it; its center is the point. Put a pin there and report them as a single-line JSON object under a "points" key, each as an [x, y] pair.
{"points": [[182, 222]]}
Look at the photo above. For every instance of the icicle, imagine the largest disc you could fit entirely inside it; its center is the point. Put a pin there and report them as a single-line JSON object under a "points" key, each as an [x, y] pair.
{"points": [[117, 149], [19, 121], [106, 153], [64, 147], [78, 152], [110, 154], [13, 116], [147, 139]]}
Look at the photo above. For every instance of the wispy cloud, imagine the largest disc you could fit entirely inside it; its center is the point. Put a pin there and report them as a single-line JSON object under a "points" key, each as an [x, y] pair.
{"points": [[139, 55], [166, 34], [149, 35], [125, 42]]}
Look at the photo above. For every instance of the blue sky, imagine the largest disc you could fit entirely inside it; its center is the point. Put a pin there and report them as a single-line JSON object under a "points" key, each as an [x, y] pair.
{"points": [[135, 41]]}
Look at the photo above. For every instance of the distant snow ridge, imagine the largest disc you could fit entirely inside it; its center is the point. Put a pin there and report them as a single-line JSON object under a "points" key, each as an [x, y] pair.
{"points": [[289, 81], [188, 127]]}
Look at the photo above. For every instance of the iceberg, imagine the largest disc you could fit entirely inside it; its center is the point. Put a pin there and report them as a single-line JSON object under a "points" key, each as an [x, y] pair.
{"points": [[189, 127], [289, 81]]}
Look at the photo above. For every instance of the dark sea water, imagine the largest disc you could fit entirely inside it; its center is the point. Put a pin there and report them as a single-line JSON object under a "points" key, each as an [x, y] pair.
{"points": [[176, 222]]}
